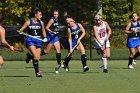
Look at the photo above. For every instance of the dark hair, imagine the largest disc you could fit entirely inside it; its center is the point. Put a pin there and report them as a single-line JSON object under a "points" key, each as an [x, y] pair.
{"points": [[132, 14], [35, 11], [1, 18], [69, 16], [55, 11]]}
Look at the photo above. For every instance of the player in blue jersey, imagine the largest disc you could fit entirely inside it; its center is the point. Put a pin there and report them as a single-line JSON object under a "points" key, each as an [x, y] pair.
{"points": [[53, 29], [74, 29], [35, 27], [133, 40], [3, 40]]}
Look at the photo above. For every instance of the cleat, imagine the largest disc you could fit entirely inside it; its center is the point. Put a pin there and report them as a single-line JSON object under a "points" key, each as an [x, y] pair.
{"points": [[85, 69], [130, 67], [67, 69], [62, 66], [28, 58], [134, 61], [105, 71], [57, 68], [38, 74]]}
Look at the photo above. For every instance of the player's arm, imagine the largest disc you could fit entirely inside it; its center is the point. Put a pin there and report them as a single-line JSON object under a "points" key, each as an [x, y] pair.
{"points": [[51, 21], [108, 30], [96, 35], [3, 40], [24, 26], [83, 32], [43, 29], [69, 39], [127, 28]]}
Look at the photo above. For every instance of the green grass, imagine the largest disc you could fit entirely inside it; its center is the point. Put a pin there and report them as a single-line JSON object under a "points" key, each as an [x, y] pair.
{"points": [[18, 77], [116, 53]]}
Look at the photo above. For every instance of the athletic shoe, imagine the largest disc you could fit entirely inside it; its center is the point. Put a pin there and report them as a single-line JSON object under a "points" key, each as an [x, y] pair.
{"points": [[38, 74], [130, 67], [28, 58], [66, 69], [134, 61], [85, 69], [105, 71], [62, 65], [57, 68]]}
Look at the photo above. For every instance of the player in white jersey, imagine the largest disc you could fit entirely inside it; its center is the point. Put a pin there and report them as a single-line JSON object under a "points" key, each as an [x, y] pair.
{"points": [[102, 32]]}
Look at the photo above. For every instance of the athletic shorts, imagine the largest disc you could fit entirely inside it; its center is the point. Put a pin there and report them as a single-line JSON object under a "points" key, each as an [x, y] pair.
{"points": [[52, 38], [133, 42], [97, 45], [74, 42], [30, 41]]}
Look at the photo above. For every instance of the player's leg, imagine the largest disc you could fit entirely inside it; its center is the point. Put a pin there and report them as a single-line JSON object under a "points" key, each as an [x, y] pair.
{"points": [[136, 55], [68, 58], [38, 51], [34, 52], [1, 61], [81, 49], [58, 55], [105, 57], [29, 57], [131, 57]]}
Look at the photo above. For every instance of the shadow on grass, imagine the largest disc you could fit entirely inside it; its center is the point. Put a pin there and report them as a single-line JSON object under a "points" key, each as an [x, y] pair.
{"points": [[118, 68], [14, 76]]}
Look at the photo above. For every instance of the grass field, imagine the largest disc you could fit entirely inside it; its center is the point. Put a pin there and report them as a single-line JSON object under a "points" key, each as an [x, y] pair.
{"points": [[18, 77]]}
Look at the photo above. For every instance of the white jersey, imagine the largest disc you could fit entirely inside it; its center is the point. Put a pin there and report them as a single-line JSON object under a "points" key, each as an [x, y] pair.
{"points": [[102, 31]]}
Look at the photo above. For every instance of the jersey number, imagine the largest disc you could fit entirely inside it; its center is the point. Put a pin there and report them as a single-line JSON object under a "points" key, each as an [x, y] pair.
{"points": [[76, 36], [102, 35]]}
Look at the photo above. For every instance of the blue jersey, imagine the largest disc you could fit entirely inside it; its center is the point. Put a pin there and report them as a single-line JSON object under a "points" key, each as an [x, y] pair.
{"points": [[133, 40], [74, 34], [52, 38], [35, 28], [134, 28], [55, 26]]}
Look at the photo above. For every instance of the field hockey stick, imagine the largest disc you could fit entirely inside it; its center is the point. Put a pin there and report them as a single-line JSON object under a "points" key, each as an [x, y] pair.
{"points": [[15, 49], [105, 47], [101, 47], [70, 53], [44, 40], [18, 49]]}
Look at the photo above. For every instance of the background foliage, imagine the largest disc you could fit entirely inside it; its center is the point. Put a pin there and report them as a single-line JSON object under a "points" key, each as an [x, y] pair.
{"points": [[115, 12]]}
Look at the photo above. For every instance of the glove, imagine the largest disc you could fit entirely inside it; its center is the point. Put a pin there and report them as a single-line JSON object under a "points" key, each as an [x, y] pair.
{"points": [[45, 40], [19, 32]]}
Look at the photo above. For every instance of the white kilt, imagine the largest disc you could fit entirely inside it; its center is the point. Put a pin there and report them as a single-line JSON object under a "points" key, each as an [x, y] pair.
{"points": [[97, 44]]}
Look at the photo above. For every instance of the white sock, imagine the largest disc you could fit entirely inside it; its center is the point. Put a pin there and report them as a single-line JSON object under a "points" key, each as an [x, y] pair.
{"points": [[104, 60]]}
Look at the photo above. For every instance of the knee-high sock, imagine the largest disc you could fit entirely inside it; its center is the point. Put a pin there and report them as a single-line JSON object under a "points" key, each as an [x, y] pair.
{"points": [[136, 55], [84, 59], [35, 64], [30, 55], [130, 61], [104, 60], [58, 57], [67, 59], [42, 52]]}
